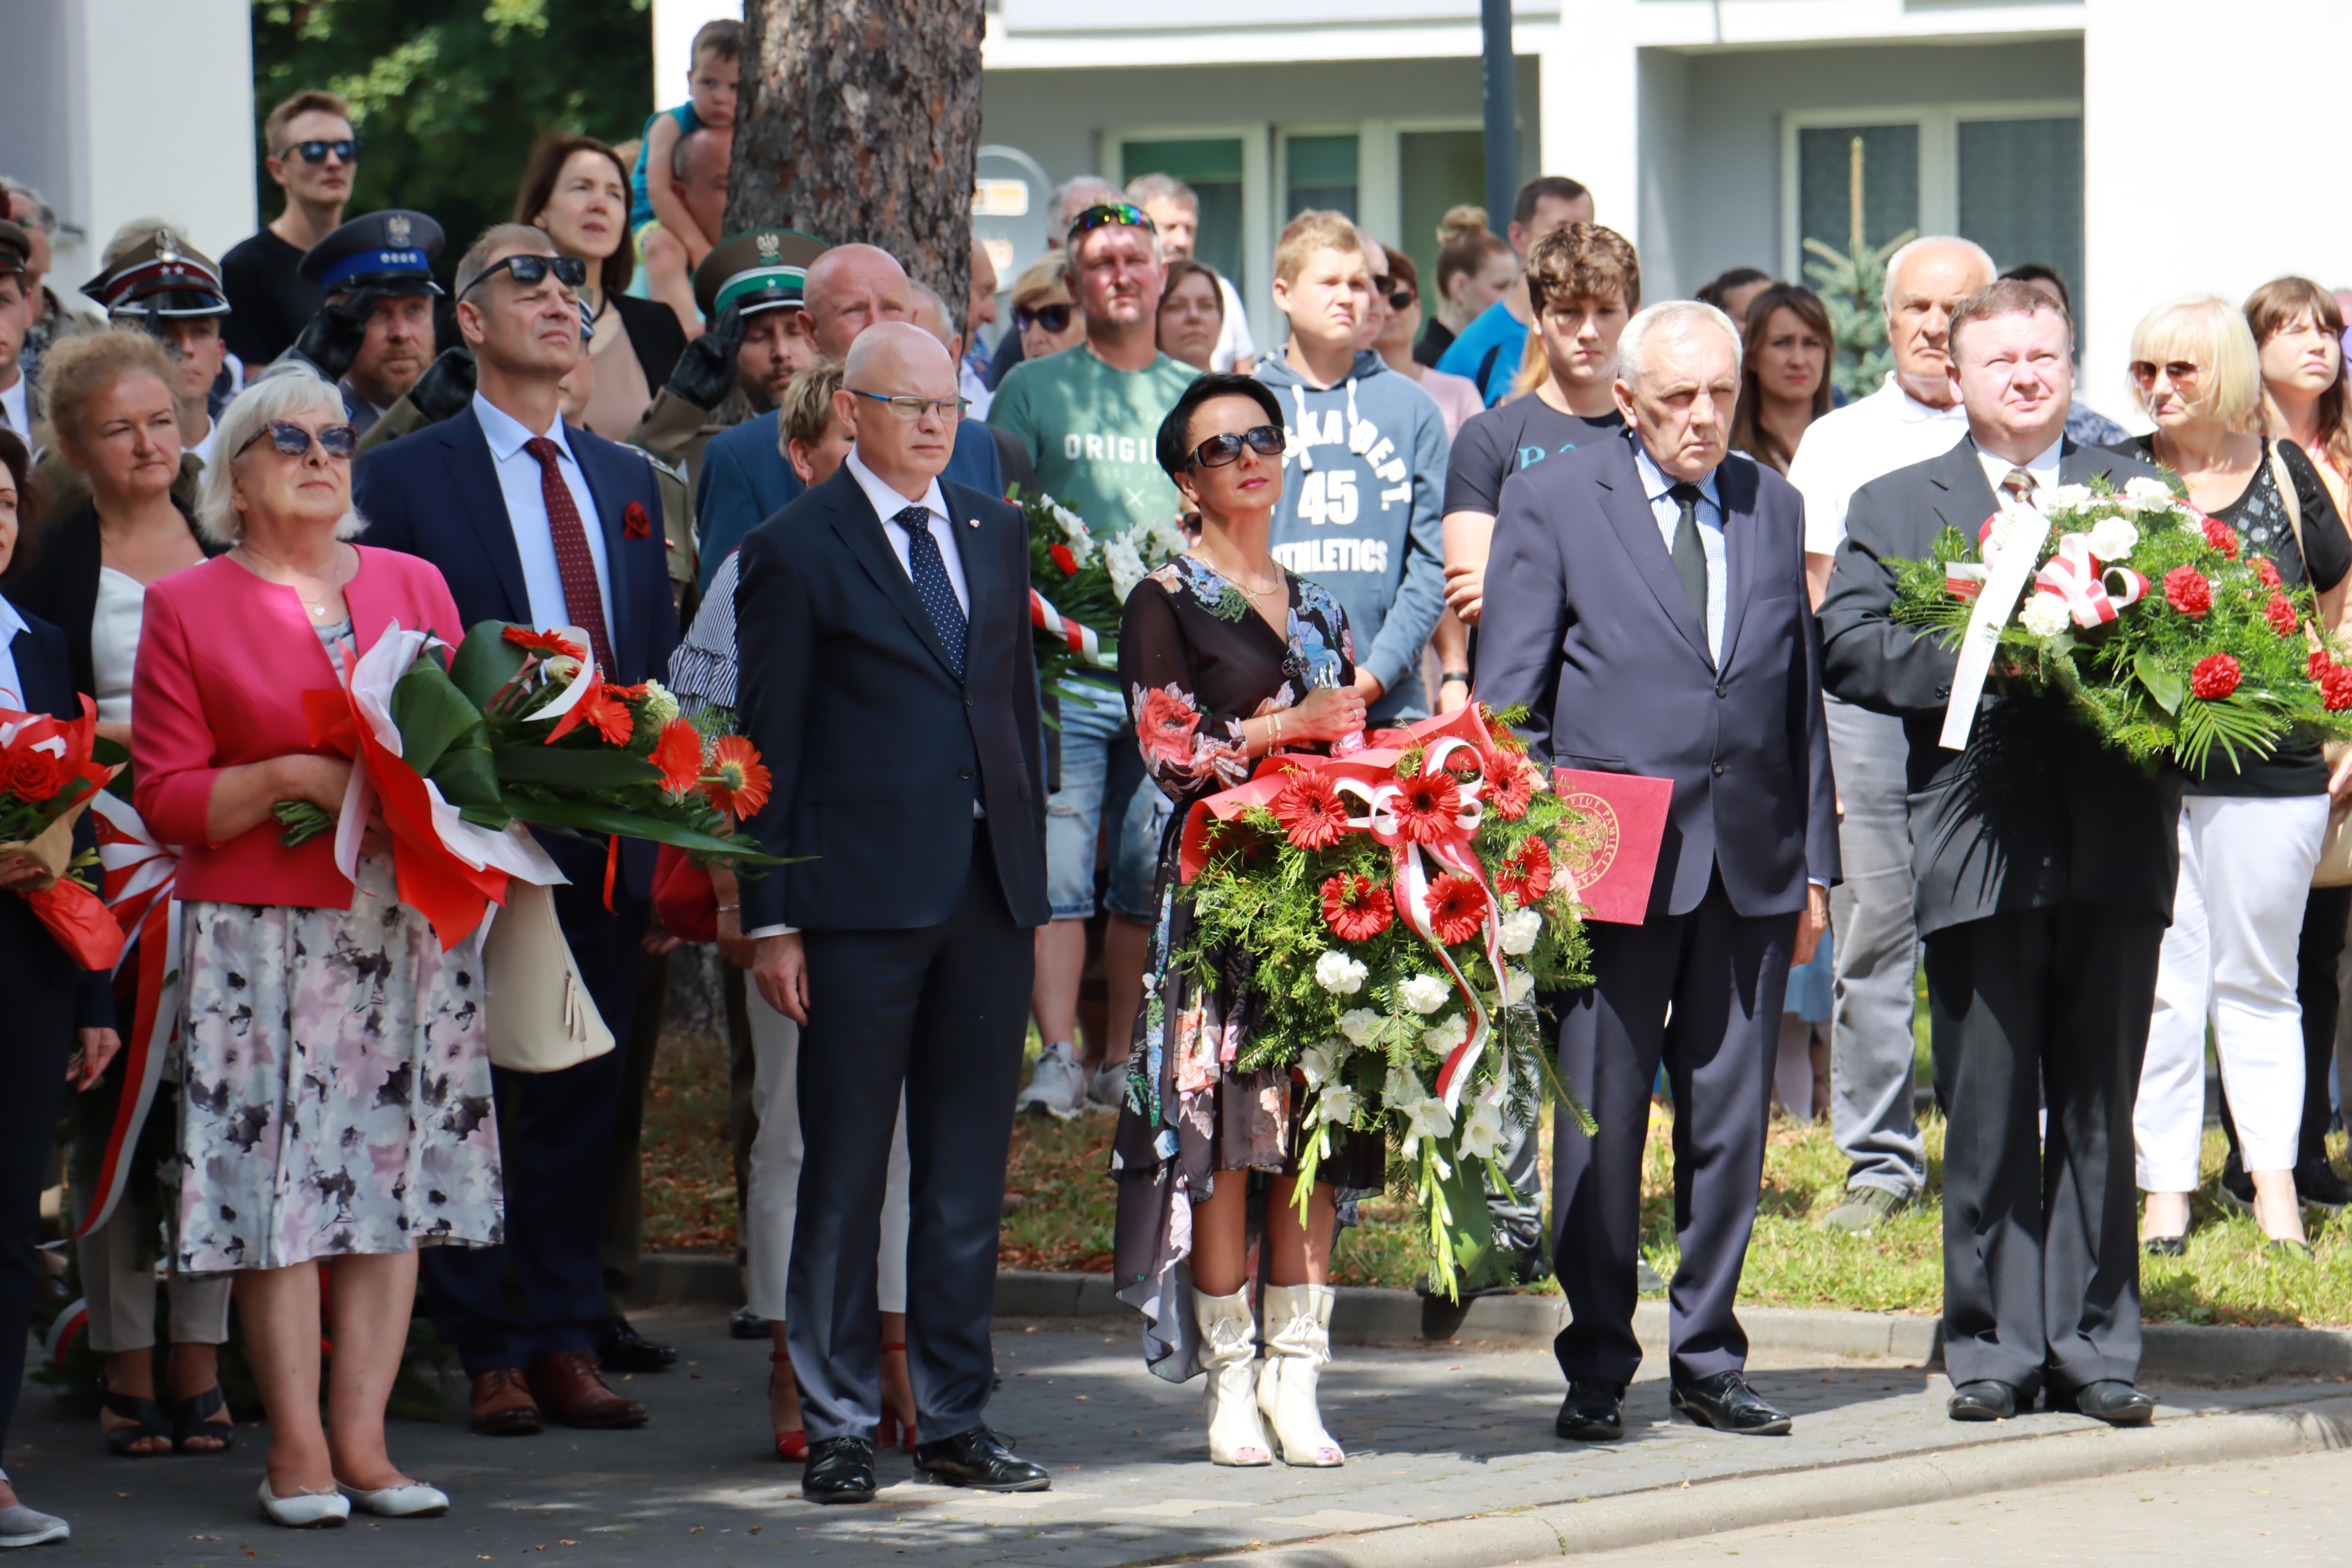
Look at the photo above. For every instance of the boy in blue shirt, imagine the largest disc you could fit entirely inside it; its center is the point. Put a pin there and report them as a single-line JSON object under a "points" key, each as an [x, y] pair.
{"points": [[670, 244]]}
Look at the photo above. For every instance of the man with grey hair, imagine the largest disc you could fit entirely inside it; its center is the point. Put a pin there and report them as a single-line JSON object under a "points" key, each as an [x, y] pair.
{"points": [[1914, 416], [1175, 206], [1646, 603]]}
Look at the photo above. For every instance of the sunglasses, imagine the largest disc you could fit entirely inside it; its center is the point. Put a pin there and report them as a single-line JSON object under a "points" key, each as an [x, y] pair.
{"points": [[1055, 318], [1399, 295], [294, 440], [916, 407], [1219, 451], [530, 270], [1105, 215], [2180, 372], [315, 152]]}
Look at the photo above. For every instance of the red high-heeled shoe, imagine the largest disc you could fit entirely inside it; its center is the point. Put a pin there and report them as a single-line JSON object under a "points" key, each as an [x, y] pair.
{"points": [[791, 1443], [887, 1434]]}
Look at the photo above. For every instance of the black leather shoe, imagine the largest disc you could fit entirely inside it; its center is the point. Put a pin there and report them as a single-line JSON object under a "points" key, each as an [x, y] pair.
{"points": [[840, 1469], [1986, 1399], [979, 1458], [2318, 1185], [2113, 1401], [1726, 1403], [625, 1350], [2166, 1247], [747, 1325], [1593, 1412]]}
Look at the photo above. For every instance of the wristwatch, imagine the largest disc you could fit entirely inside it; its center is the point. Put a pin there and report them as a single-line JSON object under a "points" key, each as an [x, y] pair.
{"points": [[1450, 676]]}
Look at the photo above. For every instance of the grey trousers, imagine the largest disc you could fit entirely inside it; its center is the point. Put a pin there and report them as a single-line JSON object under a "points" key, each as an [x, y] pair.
{"points": [[118, 1280], [1877, 955]]}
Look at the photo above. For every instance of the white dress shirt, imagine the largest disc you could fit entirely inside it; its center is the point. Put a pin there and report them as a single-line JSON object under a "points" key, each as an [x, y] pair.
{"points": [[519, 482], [14, 411], [11, 684], [2045, 469], [203, 448], [1847, 447], [888, 504], [1656, 483]]}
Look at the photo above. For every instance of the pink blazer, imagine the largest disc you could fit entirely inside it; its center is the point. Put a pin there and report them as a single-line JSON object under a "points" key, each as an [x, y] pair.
{"points": [[224, 659]]}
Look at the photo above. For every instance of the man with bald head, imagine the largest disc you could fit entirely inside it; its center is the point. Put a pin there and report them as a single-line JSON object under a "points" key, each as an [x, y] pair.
{"points": [[745, 478], [889, 680], [1914, 416]]}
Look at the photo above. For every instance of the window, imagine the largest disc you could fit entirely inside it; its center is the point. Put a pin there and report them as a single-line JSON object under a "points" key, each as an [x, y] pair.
{"points": [[1436, 170], [2021, 194], [1212, 167], [1318, 172]]}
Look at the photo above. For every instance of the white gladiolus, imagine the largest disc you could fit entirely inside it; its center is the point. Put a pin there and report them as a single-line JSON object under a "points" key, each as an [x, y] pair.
{"points": [[2113, 538], [1362, 1025], [1520, 928], [1441, 1039], [1403, 1085], [1424, 993], [1340, 974], [1482, 1132], [1517, 986], [1428, 1118], [1166, 538], [2044, 615], [1125, 566], [1320, 1063], [1335, 1102]]}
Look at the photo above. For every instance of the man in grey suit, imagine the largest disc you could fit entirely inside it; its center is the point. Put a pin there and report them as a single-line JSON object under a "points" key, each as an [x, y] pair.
{"points": [[1646, 602], [2045, 865]]}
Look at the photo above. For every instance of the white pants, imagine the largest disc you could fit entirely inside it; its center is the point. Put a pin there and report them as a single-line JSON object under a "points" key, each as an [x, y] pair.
{"points": [[775, 1171], [2230, 956]]}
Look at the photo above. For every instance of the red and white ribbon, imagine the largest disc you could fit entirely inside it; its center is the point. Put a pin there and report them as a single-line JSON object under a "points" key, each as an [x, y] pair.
{"points": [[139, 881], [2092, 596], [1080, 640]]}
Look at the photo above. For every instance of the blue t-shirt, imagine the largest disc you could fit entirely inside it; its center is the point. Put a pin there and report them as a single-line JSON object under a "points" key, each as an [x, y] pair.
{"points": [[1488, 351], [641, 201]]}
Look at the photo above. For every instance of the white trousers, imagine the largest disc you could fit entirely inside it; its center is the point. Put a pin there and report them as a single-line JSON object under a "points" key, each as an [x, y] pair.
{"points": [[2230, 956], [775, 1172]]}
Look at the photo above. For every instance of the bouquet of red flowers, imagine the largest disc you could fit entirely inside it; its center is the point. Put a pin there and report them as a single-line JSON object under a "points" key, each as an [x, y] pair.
{"points": [[48, 779], [1079, 585]]}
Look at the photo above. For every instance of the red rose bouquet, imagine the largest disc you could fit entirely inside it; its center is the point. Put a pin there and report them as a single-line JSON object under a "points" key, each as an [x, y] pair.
{"points": [[48, 777]]}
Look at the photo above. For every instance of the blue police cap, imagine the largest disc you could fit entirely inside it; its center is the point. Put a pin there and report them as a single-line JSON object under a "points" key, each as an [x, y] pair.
{"points": [[391, 251]]}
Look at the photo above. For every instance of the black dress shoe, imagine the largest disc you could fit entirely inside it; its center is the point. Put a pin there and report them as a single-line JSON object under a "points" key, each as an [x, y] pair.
{"points": [[840, 1469], [747, 1325], [625, 1350], [1986, 1399], [2113, 1401], [1726, 1403], [1593, 1412], [979, 1458], [2165, 1245], [2318, 1185]]}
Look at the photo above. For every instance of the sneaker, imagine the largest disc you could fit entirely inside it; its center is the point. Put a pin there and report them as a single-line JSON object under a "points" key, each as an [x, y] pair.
{"points": [[2319, 1187], [1058, 1086], [2235, 1189], [1863, 1209], [1106, 1086]]}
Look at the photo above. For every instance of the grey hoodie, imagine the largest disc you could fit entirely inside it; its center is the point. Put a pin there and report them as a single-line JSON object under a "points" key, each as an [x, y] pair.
{"points": [[1361, 485]]}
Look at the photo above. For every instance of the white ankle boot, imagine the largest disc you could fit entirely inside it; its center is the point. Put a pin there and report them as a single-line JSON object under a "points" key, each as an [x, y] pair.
{"points": [[1297, 1346], [1229, 1352]]}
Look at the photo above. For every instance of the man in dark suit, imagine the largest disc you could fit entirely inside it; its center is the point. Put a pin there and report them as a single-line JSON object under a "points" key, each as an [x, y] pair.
{"points": [[536, 522], [2045, 865], [889, 682], [1646, 602]]}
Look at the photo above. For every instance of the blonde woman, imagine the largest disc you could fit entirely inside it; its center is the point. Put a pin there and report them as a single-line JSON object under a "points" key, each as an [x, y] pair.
{"points": [[2249, 834], [1043, 312]]}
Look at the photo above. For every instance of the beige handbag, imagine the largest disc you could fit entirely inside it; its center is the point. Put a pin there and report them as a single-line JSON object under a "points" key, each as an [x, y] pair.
{"points": [[539, 1012], [2334, 869]]}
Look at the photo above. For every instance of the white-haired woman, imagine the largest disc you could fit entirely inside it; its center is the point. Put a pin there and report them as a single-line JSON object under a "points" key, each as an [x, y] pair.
{"points": [[2250, 833], [336, 1087]]}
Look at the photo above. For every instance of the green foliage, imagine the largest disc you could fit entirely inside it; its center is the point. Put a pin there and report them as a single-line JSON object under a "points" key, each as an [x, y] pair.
{"points": [[1853, 287], [449, 94]]}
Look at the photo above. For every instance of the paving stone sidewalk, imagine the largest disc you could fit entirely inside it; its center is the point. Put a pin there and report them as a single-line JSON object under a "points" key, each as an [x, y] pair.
{"points": [[1432, 1433]]}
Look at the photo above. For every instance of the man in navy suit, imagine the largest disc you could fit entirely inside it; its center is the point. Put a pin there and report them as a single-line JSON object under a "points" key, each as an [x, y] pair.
{"points": [[1646, 601], [745, 479], [536, 522], [890, 681]]}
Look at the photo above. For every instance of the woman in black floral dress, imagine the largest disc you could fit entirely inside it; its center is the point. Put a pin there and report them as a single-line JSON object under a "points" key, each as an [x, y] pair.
{"points": [[1226, 657]]}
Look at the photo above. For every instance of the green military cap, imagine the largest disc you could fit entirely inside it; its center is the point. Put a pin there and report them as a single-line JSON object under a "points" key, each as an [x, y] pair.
{"points": [[160, 273], [15, 248], [760, 269]]}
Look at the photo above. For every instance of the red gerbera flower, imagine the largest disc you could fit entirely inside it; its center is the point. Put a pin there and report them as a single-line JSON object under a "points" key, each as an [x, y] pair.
{"points": [[1457, 906], [1463, 764], [679, 754], [1425, 807], [1311, 810], [2335, 688], [1063, 559], [1509, 785], [626, 693], [737, 783], [2221, 537], [1527, 876], [2317, 665], [1356, 909], [544, 642], [609, 716], [2187, 591], [2280, 612], [2215, 677], [2268, 573]]}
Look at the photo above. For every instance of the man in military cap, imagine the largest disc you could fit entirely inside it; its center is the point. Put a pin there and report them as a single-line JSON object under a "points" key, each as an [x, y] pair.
{"points": [[373, 337], [153, 279], [17, 410]]}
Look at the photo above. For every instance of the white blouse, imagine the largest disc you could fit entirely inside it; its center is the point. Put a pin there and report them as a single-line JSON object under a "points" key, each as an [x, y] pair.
{"points": [[114, 641]]}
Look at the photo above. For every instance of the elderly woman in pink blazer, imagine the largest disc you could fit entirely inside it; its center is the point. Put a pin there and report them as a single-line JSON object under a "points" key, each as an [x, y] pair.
{"points": [[336, 1085]]}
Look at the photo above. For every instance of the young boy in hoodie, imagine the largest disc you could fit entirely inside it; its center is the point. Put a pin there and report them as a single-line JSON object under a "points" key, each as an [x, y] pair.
{"points": [[1365, 468]]}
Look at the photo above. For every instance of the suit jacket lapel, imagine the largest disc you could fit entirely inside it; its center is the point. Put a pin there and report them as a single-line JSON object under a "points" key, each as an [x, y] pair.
{"points": [[1736, 484], [1964, 497], [609, 505], [468, 453], [2081, 465], [855, 520], [1628, 511]]}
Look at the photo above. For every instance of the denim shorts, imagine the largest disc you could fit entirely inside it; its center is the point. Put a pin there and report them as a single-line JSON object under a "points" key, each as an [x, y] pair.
{"points": [[1100, 762]]}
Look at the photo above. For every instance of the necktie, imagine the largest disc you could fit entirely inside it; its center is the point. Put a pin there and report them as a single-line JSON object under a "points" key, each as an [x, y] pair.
{"points": [[577, 567], [2017, 487], [1690, 550], [931, 584]]}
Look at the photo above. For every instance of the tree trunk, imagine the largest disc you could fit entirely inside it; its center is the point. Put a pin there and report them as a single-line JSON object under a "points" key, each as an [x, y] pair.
{"points": [[859, 120]]}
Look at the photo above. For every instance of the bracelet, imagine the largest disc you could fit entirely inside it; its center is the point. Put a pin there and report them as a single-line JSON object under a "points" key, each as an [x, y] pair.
{"points": [[1275, 739], [728, 908], [1450, 676]]}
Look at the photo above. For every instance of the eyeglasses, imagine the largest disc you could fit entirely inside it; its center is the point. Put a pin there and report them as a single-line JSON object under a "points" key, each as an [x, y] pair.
{"points": [[1219, 451], [2180, 372], [294, 440], [916, 407], [530, 270], [1105, 217], [1055, 318], [315, 152]]}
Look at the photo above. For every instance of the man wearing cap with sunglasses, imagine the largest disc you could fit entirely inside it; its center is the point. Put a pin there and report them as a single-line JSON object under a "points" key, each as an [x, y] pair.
{"points": [[536, 522], [314, 157], [374, 336]]}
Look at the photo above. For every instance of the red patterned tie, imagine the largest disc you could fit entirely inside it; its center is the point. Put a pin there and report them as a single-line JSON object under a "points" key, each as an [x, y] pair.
{"points": [[582, 601]]}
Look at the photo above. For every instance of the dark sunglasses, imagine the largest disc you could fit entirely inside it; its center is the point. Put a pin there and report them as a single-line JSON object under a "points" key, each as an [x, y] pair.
{"points": [[294, 440], [315, 152], [1105, 217], [530, 270], [1399, 295], [1055, 318], [1218, 451]]}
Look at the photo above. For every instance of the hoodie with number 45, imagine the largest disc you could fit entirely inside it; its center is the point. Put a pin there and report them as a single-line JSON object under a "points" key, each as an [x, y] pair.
{"points": [[1364, 475]]}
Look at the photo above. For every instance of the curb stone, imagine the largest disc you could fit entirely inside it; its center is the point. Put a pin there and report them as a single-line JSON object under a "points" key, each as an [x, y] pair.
{"points": [[1828, 1492]]}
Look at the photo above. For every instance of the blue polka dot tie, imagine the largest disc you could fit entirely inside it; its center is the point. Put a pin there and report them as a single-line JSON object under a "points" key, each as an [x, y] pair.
{"points": [[931, 584]]}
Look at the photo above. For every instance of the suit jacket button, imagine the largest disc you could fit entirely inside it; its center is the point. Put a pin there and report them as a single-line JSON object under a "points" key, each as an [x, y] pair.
{"points": [[967, 699], [1723, 691], [966, 772], [1718, 770]]}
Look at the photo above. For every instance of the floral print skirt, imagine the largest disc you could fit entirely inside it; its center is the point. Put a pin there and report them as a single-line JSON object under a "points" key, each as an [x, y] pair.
{"points": [[335, 1084]]}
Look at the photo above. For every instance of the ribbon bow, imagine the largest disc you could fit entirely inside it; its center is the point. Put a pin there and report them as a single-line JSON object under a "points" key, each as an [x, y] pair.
{"points": [[2073, 575]]}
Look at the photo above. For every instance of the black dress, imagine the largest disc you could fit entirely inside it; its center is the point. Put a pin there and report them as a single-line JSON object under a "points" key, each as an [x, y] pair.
{"points": [[1197, 660]]}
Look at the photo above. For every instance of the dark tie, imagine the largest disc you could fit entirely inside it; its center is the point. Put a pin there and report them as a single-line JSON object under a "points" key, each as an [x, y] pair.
{"points": [[1690, 550], [931, 584], [573, 561]]}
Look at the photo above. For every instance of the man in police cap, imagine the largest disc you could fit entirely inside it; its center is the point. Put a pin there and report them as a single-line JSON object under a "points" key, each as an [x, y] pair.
{"points": [[155, 280], [373, 337]]}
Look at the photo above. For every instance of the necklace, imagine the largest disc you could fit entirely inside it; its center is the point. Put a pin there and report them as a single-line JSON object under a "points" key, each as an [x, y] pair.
{"points": [[1278, 586], [317, 607]]}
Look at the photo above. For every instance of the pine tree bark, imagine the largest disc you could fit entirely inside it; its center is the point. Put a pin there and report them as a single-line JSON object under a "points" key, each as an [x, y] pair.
{"points": [[859, 120]]}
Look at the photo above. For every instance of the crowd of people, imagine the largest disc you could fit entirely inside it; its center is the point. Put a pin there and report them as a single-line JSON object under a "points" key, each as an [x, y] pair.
{"points": [[768, 469]]}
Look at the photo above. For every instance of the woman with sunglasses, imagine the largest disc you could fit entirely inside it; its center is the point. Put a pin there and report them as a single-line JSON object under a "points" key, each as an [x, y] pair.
{"points": [[1398, 295], [2250, 833], [335, 1091], [1226, 658], [1045, 316]]}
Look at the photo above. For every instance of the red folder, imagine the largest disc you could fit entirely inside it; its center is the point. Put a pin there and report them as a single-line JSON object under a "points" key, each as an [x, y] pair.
{"points": [[1624, 821]]}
